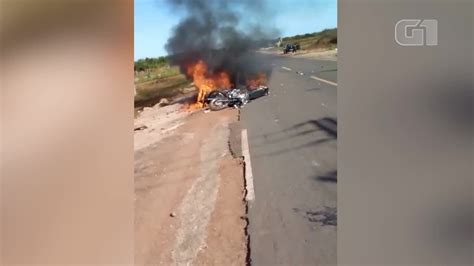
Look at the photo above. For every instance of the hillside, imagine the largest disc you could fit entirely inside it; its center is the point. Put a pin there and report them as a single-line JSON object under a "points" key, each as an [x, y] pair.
{"points": [[326, 39]]}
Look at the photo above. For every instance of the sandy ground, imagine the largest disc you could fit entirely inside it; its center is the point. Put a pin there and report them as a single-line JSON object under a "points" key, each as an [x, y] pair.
{"points": [[226, 233], [309, 54], [321, 55], [189, 190]]}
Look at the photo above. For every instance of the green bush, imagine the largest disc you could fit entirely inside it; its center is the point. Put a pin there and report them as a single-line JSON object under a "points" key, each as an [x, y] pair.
{"points": [[150, 63]]}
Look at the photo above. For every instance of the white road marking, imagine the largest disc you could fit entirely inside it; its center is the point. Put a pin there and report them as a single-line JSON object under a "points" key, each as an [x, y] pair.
{"points": [[248, 167], [325, 81], [286, 68]]}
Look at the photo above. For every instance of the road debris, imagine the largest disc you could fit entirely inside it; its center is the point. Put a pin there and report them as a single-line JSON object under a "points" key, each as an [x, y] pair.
{"points": [[162, 102], [322, 217], [142, 127]]}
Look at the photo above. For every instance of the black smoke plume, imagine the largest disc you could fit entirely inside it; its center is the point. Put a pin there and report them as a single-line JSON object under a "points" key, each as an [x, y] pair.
{"points": [[222, 33]]}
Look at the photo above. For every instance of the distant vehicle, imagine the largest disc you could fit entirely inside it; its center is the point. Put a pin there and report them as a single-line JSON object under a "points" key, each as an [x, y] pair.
{"points": [[291, 48]]}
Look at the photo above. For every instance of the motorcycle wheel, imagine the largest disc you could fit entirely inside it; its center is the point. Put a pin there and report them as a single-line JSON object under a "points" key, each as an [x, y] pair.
{"points": [[218, 102]]}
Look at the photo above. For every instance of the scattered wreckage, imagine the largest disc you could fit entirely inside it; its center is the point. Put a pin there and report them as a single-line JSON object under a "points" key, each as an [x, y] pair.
{"points": [[234, 97]]}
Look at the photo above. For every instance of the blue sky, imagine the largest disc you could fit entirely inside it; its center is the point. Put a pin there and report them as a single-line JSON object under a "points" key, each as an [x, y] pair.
{"points": [[154, 21]]}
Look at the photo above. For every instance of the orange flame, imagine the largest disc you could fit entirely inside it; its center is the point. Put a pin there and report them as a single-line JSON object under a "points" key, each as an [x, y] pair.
{"points": [[259, 80], [206, 82]]}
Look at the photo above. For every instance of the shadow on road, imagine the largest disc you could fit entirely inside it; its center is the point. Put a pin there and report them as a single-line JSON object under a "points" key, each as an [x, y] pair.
{"points": [[305, 129], [327, 124], [327, 70], [330, 177], [313, 89]]}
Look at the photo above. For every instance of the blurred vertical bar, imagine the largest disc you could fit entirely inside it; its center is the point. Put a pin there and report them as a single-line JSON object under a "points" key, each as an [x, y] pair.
{"points": [[405, 148], [66, 132]]}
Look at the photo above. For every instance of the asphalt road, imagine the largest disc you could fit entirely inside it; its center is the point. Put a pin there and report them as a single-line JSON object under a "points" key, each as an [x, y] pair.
{"points": [[292, 135]]}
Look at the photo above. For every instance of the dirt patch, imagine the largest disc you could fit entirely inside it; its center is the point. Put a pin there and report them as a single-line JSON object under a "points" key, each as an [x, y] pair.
{"points": [[157, 123], [226, 244], [318, 54], [186, 184]]}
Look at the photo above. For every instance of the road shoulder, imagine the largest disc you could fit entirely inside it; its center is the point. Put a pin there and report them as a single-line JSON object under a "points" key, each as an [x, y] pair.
{"points": [[189, 189]]}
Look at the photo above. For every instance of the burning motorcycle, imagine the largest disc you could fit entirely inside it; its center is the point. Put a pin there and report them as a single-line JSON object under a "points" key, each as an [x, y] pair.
{"points": [[235, 97]]}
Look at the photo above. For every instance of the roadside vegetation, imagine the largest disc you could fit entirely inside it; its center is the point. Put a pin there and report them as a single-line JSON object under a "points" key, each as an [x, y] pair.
{"points": [[323, 40], [156, 79]]}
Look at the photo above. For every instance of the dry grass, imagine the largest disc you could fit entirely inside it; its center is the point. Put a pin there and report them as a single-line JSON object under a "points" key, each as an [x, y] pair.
{"points": [[324, 40], [152, 86], [157, 73]]}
